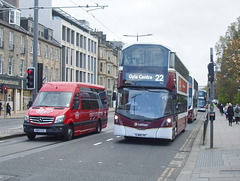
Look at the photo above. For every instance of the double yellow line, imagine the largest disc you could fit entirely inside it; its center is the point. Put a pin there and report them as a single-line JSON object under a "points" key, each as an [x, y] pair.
{"points": [[168, 171], [166, 174]]}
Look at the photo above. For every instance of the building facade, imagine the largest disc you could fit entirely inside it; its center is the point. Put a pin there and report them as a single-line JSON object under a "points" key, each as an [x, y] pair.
{"points": [[16, 54], [79, 47], [108, 56]]}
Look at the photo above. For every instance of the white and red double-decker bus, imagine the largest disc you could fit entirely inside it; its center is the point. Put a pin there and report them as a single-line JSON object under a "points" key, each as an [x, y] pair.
{"points": [[193, 99], [202, 100], [152, 93]]}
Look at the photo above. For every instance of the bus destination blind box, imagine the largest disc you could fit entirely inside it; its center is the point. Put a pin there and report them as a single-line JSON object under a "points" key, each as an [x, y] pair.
{"points": [[212, 116]]}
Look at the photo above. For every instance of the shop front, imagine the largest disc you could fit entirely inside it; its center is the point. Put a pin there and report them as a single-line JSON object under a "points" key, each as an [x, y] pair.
{"points": [[17, 96]]}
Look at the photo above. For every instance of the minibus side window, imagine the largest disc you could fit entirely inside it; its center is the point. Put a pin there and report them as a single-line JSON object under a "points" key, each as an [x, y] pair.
{"points": [[76, 102]]}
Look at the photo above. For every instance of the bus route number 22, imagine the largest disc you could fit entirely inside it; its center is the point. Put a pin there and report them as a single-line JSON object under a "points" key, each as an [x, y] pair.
{"points": [[159, 77]]}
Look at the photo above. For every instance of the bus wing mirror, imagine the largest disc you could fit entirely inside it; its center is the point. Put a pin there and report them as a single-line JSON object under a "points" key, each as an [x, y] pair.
{"points": [[114, 96], [174, 95]]}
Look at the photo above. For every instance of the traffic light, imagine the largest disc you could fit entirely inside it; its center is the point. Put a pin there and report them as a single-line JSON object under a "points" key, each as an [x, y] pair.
{"points": [[30, 78], [211, 72], [5, 90], [1, 88]]}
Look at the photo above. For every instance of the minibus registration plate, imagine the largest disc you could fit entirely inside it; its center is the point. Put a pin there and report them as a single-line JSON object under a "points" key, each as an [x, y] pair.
{"points": [[36, 130]]}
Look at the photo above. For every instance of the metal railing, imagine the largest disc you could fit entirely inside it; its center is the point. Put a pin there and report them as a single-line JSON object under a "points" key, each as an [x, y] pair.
{"points": [[205, 124]]}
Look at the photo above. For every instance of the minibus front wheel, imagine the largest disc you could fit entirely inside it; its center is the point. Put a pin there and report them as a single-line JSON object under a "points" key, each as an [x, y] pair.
{"points": [[99, 126], [69, 133], [31, 136]]}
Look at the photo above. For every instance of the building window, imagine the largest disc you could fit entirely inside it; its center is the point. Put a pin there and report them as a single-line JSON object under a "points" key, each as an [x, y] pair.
{"points": [[22, 48], [10, 68], [51, 52], [11, 42], [51, 74], [1, 64], [57, 77], [85, 43], [77, 58], [101, 67], [57, 54], [101, 81], [64, 33], [77, 39], [67, 54], [89, 64], [89, 45], [72, 36], [81, 41], [109, 84], [31, 48], [109, 69], [46, 51], [68, 35], [81, 60], [46, 73], [21, 68], [30, 27], [39, 48], [71, 57], [1, 38]]}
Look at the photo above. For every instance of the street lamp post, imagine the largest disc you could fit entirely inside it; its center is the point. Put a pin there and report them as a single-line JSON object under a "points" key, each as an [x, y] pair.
{"points": [[138, 35]]}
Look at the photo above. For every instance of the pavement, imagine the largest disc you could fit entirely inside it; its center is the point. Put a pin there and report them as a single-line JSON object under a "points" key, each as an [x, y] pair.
{"points": [[220, 163]]}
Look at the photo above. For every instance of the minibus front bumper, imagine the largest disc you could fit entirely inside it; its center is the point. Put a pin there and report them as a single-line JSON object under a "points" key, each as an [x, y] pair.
{"points": [[54, 129]]}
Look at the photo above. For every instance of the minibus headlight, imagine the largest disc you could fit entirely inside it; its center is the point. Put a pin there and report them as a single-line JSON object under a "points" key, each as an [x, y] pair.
{"points": [[60, 119], [26, 118], [116, 117]]}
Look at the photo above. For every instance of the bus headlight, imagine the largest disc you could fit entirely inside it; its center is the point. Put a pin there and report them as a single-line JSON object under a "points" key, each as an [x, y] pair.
{"points": [[116, 118], [26, 118], [60, 119], [169, 120]]}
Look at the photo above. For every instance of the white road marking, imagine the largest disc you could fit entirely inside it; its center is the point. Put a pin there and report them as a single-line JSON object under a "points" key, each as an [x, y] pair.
{"points": [[109, 139], [99, 143]]}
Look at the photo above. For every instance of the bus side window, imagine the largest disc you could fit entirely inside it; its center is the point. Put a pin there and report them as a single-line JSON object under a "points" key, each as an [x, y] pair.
{"points": [[76, 102]]}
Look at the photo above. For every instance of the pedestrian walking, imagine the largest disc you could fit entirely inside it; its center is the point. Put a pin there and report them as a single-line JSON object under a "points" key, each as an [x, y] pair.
{"points": [[8, 109], [221, 109], [225, 110], [230, 114], [0, 107], [237, 113]]}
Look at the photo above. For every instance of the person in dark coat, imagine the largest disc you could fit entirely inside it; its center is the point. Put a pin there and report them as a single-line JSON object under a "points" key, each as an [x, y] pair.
{"points": [[8, 109], [230, 114], [236, 111]]}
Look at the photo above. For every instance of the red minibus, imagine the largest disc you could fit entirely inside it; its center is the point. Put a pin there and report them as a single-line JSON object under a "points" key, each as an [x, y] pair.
{"points": [[67, 109]]}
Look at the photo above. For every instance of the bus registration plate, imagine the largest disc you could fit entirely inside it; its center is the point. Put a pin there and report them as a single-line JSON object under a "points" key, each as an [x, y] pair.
{"points": [[140, 135], [40, 130]]}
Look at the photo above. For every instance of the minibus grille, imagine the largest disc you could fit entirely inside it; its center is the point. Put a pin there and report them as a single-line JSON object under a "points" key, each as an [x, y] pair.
{"points": [[41, 120]]}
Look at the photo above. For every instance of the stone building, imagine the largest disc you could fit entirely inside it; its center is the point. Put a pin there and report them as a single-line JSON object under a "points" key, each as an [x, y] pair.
{"points": [[16, 54], [108, 56]]}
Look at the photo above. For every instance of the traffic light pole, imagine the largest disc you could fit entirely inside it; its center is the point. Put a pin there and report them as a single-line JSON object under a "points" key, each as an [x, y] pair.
{"points": [[211, 103], [5, 102], [35, 48]]}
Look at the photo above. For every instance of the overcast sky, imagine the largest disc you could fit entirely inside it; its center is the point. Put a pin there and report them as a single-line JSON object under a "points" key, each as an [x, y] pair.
{"points": [[188, 27]]}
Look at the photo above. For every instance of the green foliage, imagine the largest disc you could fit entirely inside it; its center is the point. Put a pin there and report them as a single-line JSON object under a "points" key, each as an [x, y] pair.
{"points": [[228, 62]]}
